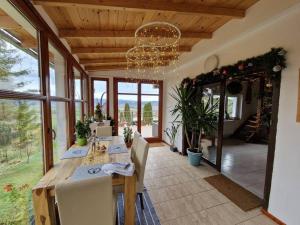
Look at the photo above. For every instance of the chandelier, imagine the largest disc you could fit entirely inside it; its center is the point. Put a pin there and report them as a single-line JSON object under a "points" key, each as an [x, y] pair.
{"points": [[156, 46]]}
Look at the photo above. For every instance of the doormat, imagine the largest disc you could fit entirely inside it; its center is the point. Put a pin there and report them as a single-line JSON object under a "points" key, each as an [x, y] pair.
{"points": [[159, 144], [243, 198]]}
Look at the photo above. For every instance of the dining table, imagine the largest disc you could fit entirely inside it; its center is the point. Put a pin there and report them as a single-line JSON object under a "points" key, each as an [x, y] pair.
{"points": [[43, 193]]}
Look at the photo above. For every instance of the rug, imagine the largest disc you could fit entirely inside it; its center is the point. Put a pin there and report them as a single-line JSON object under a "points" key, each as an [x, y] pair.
{"points": [[159, 144], [143, 217], [237, 194]]}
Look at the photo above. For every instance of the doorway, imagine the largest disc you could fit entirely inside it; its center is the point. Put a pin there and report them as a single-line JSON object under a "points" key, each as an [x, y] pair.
{"points": [[138, 104]]}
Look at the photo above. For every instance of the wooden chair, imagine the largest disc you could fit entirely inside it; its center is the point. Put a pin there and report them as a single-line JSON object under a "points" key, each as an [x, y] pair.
{"points": [[139, 157], [104, 131], [136, 137], [88, 201]]}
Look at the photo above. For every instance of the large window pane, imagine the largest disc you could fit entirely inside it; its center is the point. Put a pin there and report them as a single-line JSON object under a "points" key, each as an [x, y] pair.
{"points": [[57, 73], [77, 84], [19, 67], [78, 110], [100, 88], [21, 162], [127, 115], [127, 87], [59, 126], [150, 112], [150, 89]]}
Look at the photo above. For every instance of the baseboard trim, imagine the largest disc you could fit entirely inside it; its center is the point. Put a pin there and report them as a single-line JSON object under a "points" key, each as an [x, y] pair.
{"points": [[276, 220], [165, 142]]}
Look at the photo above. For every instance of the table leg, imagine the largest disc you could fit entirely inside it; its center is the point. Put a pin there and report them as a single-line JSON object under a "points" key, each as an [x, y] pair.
{"points": [[41, 206], [130, 197]]}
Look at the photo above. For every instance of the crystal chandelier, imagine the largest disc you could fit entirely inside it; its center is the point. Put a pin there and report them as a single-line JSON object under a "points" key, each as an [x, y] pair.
{"points": [[156, 46]]}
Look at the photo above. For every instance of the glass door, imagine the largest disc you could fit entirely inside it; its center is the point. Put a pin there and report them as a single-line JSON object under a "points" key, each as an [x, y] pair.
{"points": [[211, 94], [150, 110], [139, 107]]}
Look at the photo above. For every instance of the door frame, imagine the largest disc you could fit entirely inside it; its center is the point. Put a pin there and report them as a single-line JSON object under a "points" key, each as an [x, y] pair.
{"points": [[276, 82], [116, 80]]}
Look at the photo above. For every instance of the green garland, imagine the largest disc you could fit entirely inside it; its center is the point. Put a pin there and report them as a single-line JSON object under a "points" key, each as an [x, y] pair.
{"points": [[270, 63]]}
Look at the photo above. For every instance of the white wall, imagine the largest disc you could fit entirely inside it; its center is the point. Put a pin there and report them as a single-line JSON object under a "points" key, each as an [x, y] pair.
{"points": [[269, 23]]}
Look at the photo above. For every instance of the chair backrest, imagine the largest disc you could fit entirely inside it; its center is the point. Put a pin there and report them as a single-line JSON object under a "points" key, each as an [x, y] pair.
{"points": [[104, 131], [86, 202], [139, 159], [135, 141], [93, 127]]}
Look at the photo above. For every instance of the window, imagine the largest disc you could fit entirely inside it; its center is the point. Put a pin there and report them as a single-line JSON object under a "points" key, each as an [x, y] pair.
{"points": [[57, 71], [150, 110], [232, 106], [139, 106], [100, 94], [78, 95], [59, 109], [21, 145]]}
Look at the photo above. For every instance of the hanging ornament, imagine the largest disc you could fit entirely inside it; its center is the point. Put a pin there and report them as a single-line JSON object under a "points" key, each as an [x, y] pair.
{"points": [[241, 67], [282, 52], [216, 72], [277, 68]]}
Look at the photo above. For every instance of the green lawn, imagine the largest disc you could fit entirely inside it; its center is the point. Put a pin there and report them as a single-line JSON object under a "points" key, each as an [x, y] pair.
{"points": [[15, 205]]}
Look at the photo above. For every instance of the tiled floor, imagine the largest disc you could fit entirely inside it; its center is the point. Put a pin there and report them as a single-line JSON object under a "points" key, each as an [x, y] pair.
{"points": [[181, 196], [245, 163]]}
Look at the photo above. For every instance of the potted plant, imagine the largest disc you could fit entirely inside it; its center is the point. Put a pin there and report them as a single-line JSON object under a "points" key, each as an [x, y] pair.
{"points": [[171, 133], [196, 116], [127, 132], [83, 131], [99, 116]]}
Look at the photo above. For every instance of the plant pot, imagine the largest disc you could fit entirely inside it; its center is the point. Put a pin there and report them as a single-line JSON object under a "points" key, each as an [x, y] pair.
{"points": [[194, 157], [128, 144], [81, 141], [173, 148]]}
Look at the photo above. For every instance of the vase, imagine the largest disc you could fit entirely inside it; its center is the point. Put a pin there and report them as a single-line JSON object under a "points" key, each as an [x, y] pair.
{"points": [[194, 157], [81, 141]]}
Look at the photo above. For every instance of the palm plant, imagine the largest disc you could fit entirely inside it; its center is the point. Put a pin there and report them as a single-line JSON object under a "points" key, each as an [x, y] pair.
{"points": [[195, 115]]}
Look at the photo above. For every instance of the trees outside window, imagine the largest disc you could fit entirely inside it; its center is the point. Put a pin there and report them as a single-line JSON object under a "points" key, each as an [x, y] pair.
{"points": [[127, 114], [147, 114]]}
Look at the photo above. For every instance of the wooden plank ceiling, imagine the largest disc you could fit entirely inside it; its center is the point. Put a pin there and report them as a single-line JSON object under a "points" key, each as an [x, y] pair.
{"points": [[101, 31]]}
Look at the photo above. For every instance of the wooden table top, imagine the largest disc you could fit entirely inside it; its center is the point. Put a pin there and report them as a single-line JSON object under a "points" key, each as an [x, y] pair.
{"points": [[66, 167]]}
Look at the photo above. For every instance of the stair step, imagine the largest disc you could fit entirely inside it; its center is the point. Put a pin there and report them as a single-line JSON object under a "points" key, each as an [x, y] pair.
{"points": [[248, 125], [253, 121]]}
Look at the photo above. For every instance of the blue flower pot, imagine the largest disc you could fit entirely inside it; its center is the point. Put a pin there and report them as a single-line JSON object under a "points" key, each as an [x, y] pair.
{"points": [[194, 157]]}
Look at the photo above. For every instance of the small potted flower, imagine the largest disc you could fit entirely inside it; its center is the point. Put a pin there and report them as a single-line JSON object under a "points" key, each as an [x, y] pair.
{"points": [[127, 132], [82, 131]]}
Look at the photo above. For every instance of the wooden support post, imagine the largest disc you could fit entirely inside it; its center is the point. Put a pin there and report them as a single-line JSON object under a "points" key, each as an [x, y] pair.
{"points": [[221, 124]]}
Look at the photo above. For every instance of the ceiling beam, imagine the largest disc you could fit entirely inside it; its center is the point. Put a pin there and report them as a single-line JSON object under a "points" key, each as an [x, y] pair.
{"points": [[145, 5], [6, 22], [67, 33], [113, 60], [110, 67], [91, 50], [103, 60]]}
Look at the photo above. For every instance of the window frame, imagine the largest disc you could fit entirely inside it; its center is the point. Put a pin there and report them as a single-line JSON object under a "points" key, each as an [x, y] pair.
{"points": [[139, 103], [92, 94], [45, 35]]}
